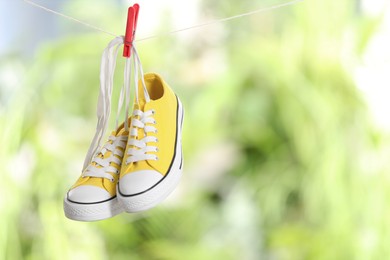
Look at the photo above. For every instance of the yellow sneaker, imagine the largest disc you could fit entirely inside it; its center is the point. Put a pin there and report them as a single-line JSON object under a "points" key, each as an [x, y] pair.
{"points": [[93, 196], [153, 160]]}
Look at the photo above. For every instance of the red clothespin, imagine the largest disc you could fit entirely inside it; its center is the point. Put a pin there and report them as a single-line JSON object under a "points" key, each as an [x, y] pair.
{"points": [[131, 26]]}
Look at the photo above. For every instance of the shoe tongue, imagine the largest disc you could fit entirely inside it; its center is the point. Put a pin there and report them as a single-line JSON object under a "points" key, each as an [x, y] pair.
{"points": [[140, 105], [121, 129], [141, 96], [121, 132]]}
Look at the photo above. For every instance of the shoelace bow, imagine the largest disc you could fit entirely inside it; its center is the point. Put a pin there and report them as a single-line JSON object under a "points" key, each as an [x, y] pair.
{"points": [[102, 167]]}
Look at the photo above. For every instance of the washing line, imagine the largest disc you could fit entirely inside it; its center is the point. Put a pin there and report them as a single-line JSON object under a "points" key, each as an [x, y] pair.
{"points": [[253, 12]]}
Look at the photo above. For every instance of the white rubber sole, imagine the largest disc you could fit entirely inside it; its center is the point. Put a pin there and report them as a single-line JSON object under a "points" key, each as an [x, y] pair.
{"points": [[150, 198], [93, 211]]}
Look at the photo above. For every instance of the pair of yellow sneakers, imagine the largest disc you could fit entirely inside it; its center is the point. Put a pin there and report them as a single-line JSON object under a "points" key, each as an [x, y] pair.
{"points": [[139, 165]]}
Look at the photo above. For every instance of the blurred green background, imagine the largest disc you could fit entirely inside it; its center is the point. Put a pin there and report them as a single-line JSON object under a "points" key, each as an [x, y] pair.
{"points": [[286, 136]]}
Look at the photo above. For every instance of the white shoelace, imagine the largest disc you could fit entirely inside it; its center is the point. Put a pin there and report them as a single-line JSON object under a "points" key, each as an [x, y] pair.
{"points": [[107, 69], [141, 121], [96, 165], [103, 111], [141, 149], [103, 167]]}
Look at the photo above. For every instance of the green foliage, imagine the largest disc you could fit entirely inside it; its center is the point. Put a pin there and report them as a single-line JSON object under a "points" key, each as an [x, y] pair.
{"points": [[282, 160]]}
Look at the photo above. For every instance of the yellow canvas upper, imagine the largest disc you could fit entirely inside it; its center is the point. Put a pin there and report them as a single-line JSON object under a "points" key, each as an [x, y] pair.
{"points": [[108, 185], [164, 103]]}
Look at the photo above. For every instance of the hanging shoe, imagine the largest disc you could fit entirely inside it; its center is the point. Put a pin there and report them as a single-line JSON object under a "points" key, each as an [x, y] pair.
{"points": [[153, 160], [93, 196]]}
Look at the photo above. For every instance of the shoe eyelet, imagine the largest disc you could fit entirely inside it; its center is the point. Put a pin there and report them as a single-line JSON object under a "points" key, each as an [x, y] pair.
{"points": [[153, 111], [155, 131], [157, 150], [157, 158], [156, 140], [112, 180]]}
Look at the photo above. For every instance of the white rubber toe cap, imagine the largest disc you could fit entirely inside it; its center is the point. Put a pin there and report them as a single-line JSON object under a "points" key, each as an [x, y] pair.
{"points": [[88, 194], [137, 182]]}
